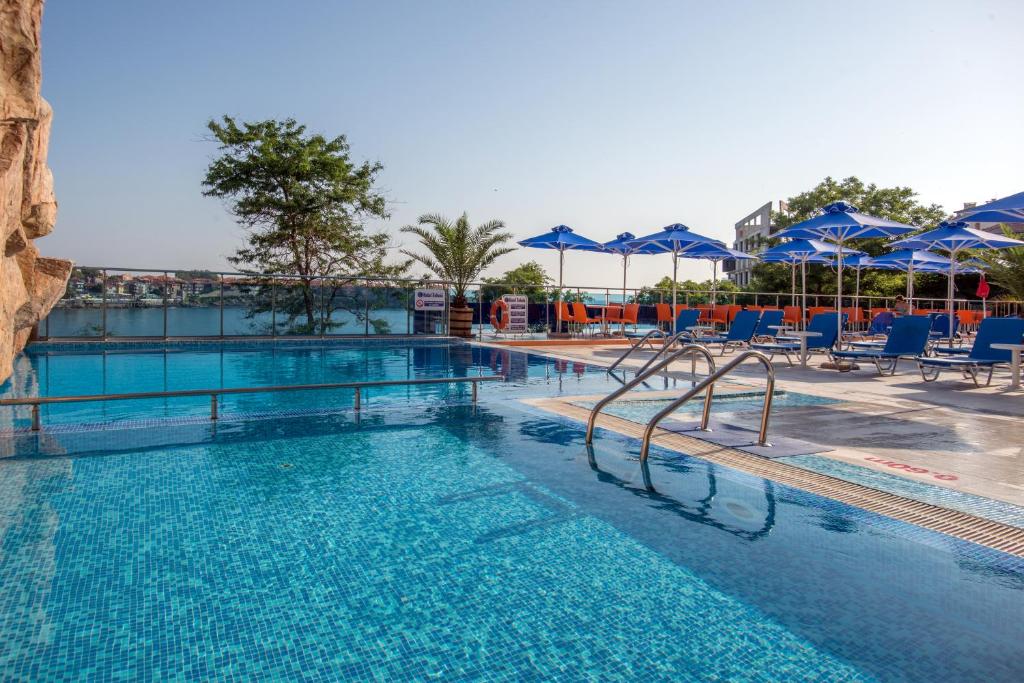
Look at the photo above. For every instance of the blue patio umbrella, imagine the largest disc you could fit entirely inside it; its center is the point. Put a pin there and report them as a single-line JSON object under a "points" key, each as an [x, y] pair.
{"points": [[909, 260], [716, 253], [562, 238], [622, 246], [677, 239], [804, 249], [1006, 210], [840, 222], [954, 238]]}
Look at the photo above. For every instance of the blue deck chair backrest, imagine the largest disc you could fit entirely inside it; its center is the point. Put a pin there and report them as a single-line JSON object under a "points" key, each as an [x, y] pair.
{"points": [[881, 323], [743, 326], [940, 325], [996, 331], [909, 335], [767, 321], [686, 318], [825, 325]]}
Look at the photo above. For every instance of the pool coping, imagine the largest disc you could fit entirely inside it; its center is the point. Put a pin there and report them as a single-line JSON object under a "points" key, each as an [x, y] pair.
{"points": [[956, 523]]}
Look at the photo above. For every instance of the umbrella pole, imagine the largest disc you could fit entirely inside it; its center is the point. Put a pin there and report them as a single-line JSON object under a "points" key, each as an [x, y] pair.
{"points": [[714, 288], [803, 292], [792, 283], [675, 265], [952, 261], [839, 295], [622, 316], [910, 288], [558, 303]]}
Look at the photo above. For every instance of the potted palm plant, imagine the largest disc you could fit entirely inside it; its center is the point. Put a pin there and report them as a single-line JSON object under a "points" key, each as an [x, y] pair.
{"points": [[458, 253]]}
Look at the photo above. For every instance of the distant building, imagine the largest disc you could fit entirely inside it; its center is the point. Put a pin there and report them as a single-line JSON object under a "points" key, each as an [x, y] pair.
{"points": [[752, 233]]}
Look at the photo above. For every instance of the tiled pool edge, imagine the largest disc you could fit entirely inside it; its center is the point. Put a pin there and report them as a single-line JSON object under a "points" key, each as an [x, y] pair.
{"points": [[961, 525]]}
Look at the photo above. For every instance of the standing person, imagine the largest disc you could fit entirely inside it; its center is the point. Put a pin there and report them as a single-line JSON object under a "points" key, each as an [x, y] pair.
{"points": [[901, 307]]}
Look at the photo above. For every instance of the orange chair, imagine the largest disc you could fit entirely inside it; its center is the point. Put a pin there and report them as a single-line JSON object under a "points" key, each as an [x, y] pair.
{"points": [[854, 315], [581, 317], [720, 314], [791, 315], [815, 310], [631, 314], [566, 314], [613, 314], [872, 312], [664, 315], [755, 308], [705, 314], [732, 310]]}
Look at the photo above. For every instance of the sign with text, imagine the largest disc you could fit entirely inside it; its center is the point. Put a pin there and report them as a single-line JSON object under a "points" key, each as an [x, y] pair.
{"points": [[429, 300], [518, 320]]}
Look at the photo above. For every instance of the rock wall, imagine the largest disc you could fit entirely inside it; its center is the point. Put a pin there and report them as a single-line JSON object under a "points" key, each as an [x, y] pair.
{"points": [[29, 284]]}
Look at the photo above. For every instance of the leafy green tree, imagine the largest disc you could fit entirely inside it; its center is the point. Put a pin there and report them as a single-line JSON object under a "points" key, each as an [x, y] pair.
{"points": [[661, 292], [1005, 267], [303, 202], [896, 203], [456, 251], [529, 279]]}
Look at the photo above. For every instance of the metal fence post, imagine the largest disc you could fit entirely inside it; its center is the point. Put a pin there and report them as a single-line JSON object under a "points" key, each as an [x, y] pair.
{"points": [[104, 304], [222, 304], [167, 284], [273, 308]]}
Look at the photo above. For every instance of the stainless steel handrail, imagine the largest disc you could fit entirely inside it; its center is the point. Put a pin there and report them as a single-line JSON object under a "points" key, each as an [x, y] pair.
{"points": [[669, 342], [708, 382], [634, 347], [36, 401], [687, 350]]}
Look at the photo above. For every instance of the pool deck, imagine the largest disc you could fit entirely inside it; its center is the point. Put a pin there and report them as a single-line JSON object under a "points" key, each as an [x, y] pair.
{"points": [[948, 433]]}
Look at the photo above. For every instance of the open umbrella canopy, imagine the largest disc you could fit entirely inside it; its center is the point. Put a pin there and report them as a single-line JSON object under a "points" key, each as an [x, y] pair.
{"points": [[801, 248], [624, 244], [562, 238], [716, 253], [804, 251], [955, 237], [677, 239], [905, 259], [841, 221], [1006, 210]]}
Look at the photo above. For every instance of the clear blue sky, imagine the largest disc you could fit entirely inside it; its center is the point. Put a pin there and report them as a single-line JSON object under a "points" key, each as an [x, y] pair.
{"points": [[603, 116]]}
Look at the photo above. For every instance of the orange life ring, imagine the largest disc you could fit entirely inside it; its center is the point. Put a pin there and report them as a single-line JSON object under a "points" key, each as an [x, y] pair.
{"points": [[499, 323]]}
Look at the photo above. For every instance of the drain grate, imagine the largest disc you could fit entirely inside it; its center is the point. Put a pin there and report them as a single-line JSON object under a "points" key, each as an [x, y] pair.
{"points": [[961, 525]]}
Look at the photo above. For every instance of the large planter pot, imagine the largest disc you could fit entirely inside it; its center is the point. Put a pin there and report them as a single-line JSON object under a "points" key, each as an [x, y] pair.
{"points": [[460, 322]]}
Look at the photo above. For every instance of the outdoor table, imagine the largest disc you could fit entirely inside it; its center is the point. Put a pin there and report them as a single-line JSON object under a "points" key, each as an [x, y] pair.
{"points": [[802, 335], [604, 316], [1014, 350], [697, 328]]}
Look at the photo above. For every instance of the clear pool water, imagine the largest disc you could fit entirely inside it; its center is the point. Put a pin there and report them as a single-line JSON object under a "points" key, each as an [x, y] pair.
{"points": [[433, 541]]}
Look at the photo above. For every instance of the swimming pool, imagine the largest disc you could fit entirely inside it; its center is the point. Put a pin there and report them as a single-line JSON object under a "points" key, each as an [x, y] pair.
{"points": [[434, 540]]}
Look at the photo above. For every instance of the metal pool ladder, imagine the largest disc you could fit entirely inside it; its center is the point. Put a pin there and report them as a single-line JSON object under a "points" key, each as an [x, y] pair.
{"points": [[358, 387], [636, 346], [708, 384], [688, 350]]}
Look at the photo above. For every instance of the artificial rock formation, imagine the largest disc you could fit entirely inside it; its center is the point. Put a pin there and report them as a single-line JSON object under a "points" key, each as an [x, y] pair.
{"points": [[29, 284]]}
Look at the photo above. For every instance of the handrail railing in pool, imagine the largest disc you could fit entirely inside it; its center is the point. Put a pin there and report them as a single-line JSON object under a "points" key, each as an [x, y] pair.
{"points": [[36, 401], [688, 350], [708, 383], [634, 347]]}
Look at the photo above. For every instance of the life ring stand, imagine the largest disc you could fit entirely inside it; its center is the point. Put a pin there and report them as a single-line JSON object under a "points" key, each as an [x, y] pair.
{"points": [[499, 322]]}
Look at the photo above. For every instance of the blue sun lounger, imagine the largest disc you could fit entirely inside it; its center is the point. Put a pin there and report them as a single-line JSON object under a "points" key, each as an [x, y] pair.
{"points": [[687, 318], [768, 324], [907, 339], [740, 332], [823, 323], [981, 355]]}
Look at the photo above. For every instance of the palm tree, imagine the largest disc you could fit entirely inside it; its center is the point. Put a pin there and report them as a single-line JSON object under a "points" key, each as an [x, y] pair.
{"points": [[458, 252]]}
